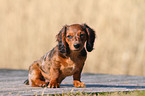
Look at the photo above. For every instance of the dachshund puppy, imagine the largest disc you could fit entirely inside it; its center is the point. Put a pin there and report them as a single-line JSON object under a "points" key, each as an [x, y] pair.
{"points": [[66, 59]]}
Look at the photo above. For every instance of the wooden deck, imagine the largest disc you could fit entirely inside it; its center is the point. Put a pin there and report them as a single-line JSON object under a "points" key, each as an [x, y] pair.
{"points": [[11, 84]]}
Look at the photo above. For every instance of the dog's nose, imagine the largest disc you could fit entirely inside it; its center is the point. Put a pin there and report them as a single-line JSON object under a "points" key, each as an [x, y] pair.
{"points": [[76, 45]]}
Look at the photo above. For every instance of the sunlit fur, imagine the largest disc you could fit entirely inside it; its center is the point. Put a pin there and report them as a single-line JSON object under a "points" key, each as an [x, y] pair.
{"points": [[66, 59]]}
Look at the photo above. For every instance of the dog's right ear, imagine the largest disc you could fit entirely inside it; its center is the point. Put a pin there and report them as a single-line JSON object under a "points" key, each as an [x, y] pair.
{"points": [[62, 45]]}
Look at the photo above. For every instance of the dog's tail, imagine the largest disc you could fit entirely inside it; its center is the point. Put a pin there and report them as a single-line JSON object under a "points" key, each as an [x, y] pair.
{"points": [[26, 82]]}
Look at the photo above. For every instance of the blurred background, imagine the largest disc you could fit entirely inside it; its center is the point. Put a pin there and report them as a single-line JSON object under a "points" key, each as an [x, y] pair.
{"points": [[28, 29]]}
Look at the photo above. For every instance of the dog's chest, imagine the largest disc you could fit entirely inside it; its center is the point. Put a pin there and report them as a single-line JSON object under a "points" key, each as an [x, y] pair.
{"points": [[68, 67]]}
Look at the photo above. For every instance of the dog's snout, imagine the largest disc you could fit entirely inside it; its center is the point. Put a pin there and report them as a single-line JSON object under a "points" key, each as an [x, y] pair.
{"points": [[76, 45]]}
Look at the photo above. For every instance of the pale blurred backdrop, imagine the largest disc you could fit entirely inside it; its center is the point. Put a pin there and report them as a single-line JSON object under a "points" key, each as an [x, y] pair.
{"points": [[28, 29]]}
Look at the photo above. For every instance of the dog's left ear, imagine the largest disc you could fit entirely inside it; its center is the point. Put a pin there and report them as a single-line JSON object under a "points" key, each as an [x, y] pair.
{"points": [[91, 37]]}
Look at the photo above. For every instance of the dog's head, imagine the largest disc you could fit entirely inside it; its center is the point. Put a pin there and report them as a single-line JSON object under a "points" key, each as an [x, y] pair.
{"points": [[73, 38]]}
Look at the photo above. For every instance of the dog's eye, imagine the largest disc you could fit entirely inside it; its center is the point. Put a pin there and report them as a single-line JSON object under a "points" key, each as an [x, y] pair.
{"points": [[82, 35], [69, 36]]}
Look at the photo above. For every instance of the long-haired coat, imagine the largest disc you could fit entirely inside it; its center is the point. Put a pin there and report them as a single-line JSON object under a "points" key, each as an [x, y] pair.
{"points": [[66, 59]]}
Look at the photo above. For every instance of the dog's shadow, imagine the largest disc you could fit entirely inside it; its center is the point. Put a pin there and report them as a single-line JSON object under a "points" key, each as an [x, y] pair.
{"points": [[104, 86]]}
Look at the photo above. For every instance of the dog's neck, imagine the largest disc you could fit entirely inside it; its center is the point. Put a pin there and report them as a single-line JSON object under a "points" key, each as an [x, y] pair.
{"points": [[77, 53], [74, 53]]}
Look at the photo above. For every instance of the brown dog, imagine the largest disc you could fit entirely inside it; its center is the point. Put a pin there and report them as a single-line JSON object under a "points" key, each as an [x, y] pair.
{"points": [[66, 59]]}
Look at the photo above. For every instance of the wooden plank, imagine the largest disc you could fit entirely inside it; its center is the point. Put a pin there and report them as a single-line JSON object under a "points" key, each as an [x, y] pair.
{"points": [[11, 84]]}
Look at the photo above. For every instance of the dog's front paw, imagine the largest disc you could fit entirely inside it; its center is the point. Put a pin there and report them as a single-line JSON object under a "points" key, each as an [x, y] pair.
{"points": [[78, 84], [53, 84], [39, 83]]}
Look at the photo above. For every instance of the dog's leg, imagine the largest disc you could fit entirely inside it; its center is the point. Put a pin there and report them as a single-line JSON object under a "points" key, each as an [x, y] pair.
{"points": [[76, 80], [35, 77], [54, 78]]}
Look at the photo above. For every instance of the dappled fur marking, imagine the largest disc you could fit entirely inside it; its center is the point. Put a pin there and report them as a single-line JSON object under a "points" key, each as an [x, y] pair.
{"points": [[66, 59]]}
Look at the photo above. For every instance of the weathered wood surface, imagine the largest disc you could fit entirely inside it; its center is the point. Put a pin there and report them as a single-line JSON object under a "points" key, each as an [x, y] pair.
{"points": [[11, 84]]}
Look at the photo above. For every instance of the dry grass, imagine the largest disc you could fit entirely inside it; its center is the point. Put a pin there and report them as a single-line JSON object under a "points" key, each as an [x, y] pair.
{"points": [[28, 29], [131, 93]]}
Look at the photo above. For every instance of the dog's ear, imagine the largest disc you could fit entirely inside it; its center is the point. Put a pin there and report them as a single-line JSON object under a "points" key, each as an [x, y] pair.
{"points": [[90, 38], [62, 45]]}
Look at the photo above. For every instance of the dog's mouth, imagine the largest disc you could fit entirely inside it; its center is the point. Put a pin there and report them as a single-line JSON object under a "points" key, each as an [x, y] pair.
{"points": [[77, 49]]}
